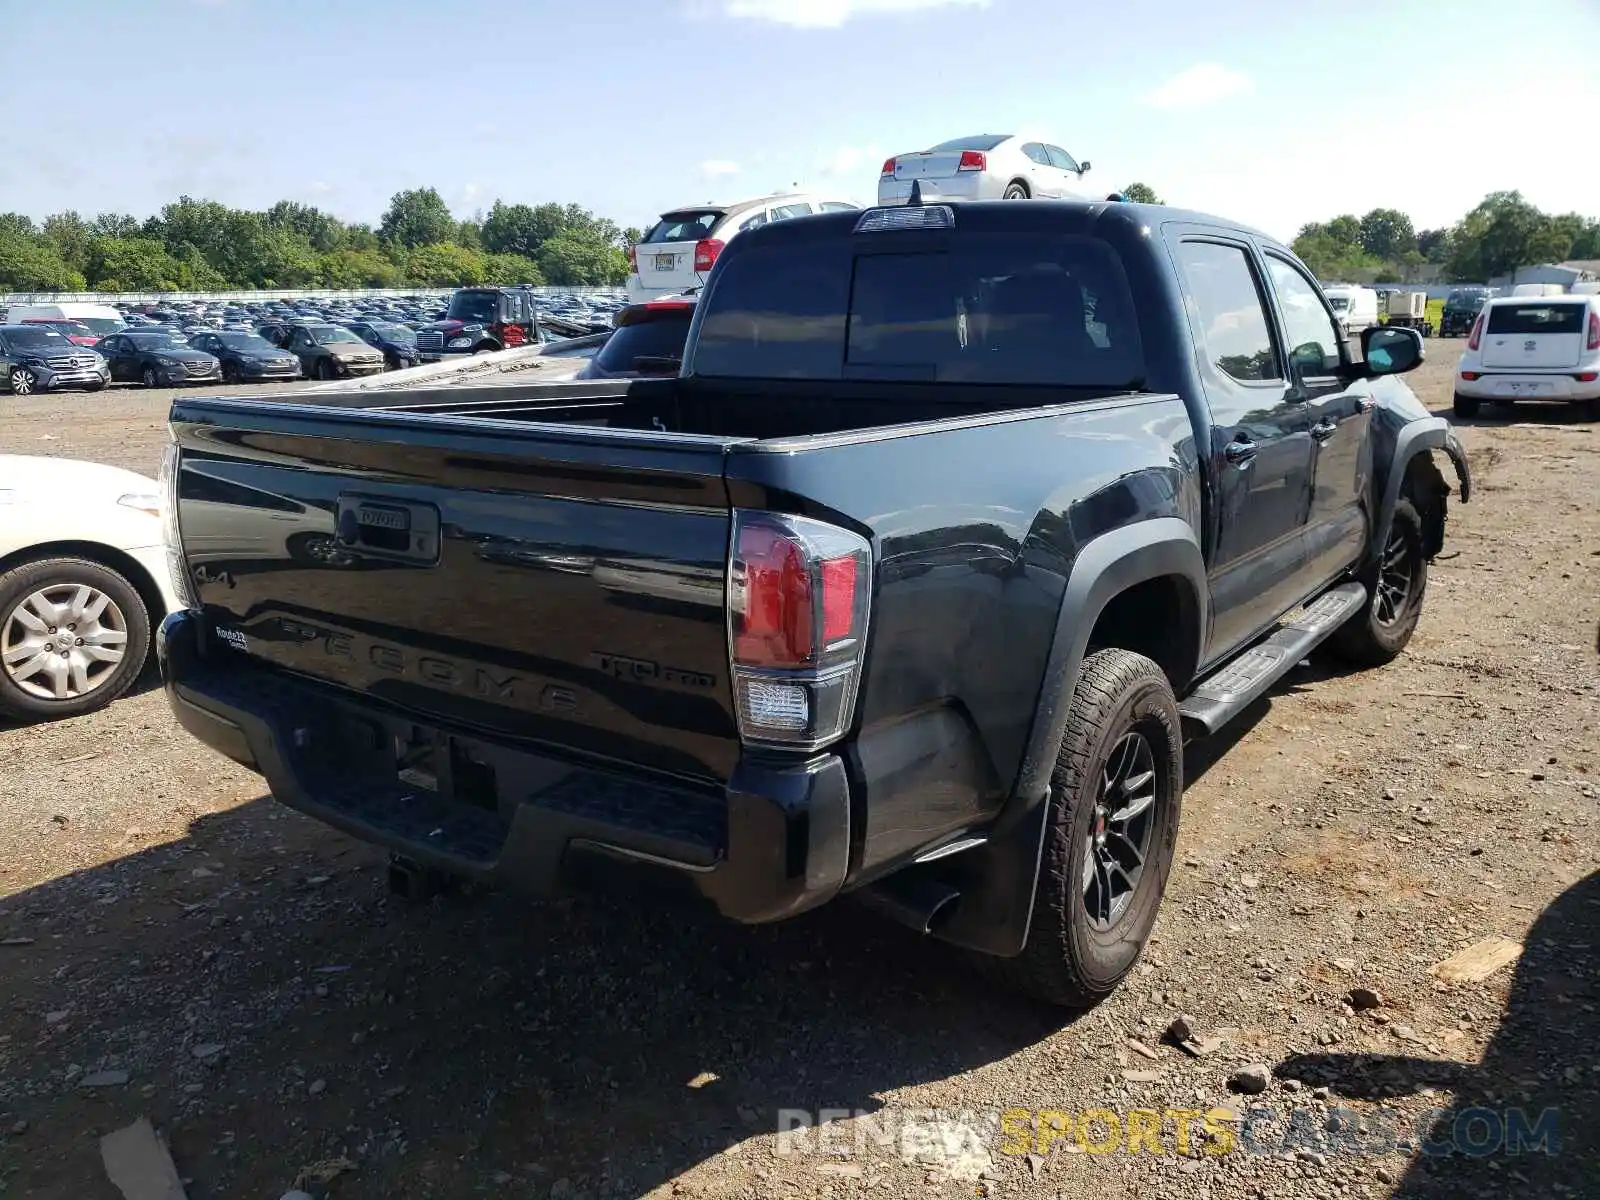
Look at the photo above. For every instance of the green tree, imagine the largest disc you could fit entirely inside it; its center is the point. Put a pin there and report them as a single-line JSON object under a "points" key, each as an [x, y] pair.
{"points": [[1387, 233], [511, 268], [1502, 233], [444, 264], [1345, 230], [132, 264], [347, 268], [26, 265], [1328, 256], [1434, 245], [322, 231], [69, 234], [17, 225], [469, 234], [1141, 193], [117, 225], [576, 259], [195, 274], [418, 217]]}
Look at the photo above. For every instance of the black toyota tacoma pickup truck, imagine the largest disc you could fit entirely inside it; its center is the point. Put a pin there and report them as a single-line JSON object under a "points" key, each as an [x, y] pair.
{"points": [[957, 523]]}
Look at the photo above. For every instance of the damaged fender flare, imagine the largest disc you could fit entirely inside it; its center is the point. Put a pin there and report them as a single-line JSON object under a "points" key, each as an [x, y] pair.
{"points": [[1418, 437]]}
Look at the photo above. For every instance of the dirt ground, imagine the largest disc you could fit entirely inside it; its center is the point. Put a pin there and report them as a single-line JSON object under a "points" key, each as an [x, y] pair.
{"points": [[175, 945]]}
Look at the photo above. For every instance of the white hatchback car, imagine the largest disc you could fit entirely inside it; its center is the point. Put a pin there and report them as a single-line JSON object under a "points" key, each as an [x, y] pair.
{"points": [[679, 250], [1531, 348], [83, 582], [988, 166]]}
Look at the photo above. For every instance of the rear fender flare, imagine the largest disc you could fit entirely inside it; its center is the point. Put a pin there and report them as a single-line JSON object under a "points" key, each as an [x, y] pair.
{"points": [[1414, 438], [997, 880]]}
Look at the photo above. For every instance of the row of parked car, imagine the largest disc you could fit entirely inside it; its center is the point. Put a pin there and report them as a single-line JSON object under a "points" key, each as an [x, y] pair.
{"points": [[49, 347]]}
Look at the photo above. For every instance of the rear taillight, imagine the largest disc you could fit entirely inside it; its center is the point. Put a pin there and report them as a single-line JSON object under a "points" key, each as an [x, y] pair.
{"points": [[889, 166], [705, 253], [1476, 334], [1587, 376], [972, 160], [798, 603], [633, 259], [1594, 331], [1469, 376]]}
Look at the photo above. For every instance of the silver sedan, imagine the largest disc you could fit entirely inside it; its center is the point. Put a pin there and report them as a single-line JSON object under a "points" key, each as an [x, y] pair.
{"points": [[989, 166]]}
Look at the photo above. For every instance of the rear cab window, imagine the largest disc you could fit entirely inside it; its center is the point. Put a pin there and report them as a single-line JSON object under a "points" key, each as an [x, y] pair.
{"points": [[1533, 319], [996, 308]]}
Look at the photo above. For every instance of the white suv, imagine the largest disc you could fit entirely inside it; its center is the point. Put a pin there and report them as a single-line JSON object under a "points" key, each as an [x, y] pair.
{"points": [[678, 251], [1531, 348]]}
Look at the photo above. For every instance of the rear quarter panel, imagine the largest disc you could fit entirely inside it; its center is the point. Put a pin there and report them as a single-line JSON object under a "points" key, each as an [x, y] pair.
{"points": [[975, 529]]}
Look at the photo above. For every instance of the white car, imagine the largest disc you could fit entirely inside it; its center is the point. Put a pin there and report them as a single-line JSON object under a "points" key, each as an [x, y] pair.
{"points": [[1355, 307], [1531, 348], [988, 166], [83, 582], [678, 251]]}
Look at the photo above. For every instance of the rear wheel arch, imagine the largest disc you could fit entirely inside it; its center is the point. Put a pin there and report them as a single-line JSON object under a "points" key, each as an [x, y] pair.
{"points": [[1136, 566]]}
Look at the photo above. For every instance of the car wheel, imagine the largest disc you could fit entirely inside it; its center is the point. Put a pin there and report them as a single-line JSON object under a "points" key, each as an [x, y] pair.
{"points": [[24, 382], [1115, 797], [1016, 190], [74, 635], [148, 377], [1466, 406], [230, 373], [324, 369], [1396, 584]]}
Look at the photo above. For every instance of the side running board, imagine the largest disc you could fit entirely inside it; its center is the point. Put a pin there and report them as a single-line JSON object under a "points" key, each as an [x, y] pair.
{"points": [[1239, 683]]}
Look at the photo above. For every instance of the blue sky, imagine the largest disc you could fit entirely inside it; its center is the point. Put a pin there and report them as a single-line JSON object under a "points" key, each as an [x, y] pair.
{"points": [[1267, 112]]}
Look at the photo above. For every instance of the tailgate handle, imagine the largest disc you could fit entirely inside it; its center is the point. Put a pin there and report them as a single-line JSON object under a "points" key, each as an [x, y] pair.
{"points": [[384, 527]]}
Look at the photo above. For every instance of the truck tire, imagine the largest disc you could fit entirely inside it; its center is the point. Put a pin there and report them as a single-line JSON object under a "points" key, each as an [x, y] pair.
{"points": [[1466, 406], [119, 626], [1396, 584], [1122, 753]]}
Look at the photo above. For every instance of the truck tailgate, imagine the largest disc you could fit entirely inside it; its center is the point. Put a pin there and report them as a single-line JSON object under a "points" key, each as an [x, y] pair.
{"points": [[564, 586]]}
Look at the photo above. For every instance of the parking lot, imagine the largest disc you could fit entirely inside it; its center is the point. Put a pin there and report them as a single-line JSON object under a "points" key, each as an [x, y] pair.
{"points": [[175, 945]]}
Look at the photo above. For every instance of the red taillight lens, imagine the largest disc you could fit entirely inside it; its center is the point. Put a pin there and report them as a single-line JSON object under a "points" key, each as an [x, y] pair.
{"points": [[889, 165], [1477, 333], [705, 253], [1587, 376], [633, 259], [778, 612], [798, 596], [1469, 376], [1594, 331], [972, 160]]}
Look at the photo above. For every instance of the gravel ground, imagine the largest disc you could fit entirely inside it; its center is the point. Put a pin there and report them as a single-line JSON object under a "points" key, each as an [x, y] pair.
{"points": [[173, 944]]}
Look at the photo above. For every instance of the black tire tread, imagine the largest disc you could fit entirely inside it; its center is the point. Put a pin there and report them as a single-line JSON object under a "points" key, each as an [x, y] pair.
{"points": [[1045, 969], [28, 574], [1359, 640]]}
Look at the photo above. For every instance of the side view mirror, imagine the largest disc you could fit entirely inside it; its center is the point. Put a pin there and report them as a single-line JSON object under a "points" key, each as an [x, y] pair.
{"points": [[1390, 350], [1083, 168]]}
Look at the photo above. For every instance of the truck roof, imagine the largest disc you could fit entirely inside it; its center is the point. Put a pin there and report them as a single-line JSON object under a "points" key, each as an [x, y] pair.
{"points": [[1003, 216]]}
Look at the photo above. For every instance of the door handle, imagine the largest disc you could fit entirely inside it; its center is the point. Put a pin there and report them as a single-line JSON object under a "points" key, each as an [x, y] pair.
{"points": [[1324, 429], [1239, 451]]}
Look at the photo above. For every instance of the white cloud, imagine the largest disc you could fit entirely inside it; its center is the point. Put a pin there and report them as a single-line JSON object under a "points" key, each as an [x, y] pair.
{"points": [[830, 14], [319, 187], [1205, 83], [717, 168]]}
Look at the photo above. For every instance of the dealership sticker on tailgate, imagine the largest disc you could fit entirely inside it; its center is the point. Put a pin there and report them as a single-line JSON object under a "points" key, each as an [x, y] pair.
{"points": [[233, 637]]}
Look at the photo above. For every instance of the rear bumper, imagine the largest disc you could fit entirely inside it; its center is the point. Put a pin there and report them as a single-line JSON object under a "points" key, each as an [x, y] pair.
{"points": [[774, 842], [1528, 385], [639, 290]]}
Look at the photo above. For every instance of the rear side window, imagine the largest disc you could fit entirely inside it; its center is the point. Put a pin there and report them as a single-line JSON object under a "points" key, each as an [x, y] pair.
{"points": [[1001, 309], [1537, 318], [688, 226], [662, 336], [1233, 321]]}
